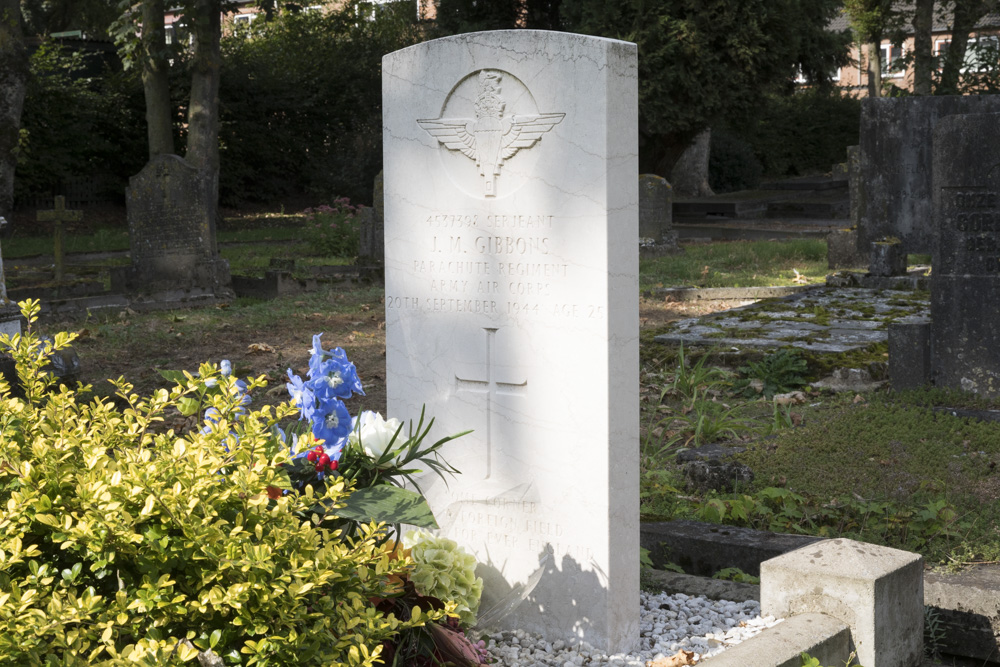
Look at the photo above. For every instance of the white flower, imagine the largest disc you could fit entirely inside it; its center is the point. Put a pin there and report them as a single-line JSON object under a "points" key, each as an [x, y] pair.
{"points": [[373, 432]]}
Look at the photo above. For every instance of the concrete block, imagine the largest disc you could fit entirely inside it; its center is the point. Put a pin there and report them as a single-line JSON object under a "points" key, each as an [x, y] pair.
{"points": [[875, 590], [888, 258], [823, 637], [842, 250]]}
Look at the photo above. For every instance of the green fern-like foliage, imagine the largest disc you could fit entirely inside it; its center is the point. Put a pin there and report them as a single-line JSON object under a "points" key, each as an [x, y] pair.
{"points": [[777, 373]]}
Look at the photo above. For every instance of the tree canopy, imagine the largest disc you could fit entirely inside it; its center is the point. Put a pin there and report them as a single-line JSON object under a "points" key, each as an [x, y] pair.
{"points": [[699, 60]]}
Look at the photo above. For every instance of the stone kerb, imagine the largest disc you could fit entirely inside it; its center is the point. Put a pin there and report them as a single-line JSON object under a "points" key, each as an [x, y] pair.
{"points": [[877, 591], [823, 637], [511, 291]]}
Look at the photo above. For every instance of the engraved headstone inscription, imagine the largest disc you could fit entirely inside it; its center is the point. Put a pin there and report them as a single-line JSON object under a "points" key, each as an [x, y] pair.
{"points": [[171, 208], [965, 322], [511, 273]]}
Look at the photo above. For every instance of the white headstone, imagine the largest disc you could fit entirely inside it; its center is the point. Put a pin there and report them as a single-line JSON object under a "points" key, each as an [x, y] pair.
{"points": [[512, 309]]}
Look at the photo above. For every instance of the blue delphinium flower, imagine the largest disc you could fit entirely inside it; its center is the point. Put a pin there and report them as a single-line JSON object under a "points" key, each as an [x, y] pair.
{"points": [[302, 396], [331, 373], [332, 377], [332, 421]]}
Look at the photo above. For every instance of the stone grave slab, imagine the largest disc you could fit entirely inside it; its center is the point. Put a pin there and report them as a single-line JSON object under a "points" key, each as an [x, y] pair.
{"points": [[511, 291], [848, 319]]}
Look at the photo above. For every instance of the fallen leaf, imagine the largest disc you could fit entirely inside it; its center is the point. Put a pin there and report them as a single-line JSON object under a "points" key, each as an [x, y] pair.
{"points": [[82, 334], [858, 399], [680, 659], [791, 398], [259, 348]]}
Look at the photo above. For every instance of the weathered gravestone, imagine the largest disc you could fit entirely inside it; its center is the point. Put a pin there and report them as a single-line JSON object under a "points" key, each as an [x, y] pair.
{"points": [[896, 163], [965, 290], [172, 207], [512, 309], [656, 229], [10, 314], [842, 244], [371, 251]]}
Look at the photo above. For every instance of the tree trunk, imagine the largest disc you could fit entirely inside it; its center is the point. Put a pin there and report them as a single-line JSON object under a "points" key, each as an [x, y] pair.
{"points": [[154, 79], [689, 177], [203, 107], [874, 63], [923, 47], [13, 77], [967, 14]]}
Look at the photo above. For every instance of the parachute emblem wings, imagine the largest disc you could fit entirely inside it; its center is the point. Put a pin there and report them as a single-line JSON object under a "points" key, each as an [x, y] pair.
{"points": [[490, 138]]}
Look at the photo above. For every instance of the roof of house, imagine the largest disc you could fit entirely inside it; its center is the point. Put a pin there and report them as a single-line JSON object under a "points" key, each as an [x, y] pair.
{"points": [[942, 19]]}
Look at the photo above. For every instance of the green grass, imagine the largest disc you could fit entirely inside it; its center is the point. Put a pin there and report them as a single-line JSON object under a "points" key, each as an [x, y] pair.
{"points": [[888, 470], [737, 264], [102, 240]]}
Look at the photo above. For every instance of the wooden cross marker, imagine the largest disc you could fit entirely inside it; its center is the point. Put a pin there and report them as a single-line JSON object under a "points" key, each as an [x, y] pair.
{"points": [[59, 215], [491, 387]]}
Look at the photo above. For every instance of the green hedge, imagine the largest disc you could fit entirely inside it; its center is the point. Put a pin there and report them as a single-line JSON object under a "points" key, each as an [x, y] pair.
{"points": [[807, 132]]}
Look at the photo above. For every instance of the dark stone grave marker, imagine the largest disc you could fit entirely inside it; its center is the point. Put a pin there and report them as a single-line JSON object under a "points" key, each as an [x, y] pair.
{"points": [[965, 291], [894, 187], [656, 230], [172, 208], [371, 251]]}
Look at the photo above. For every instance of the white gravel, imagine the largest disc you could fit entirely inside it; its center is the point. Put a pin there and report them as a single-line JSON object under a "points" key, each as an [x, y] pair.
{"points": [[667, 624]]}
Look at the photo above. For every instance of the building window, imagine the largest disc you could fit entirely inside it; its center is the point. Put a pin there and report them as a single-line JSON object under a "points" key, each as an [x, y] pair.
{"points": [[981, 54], [893, 66], [244, 19]]}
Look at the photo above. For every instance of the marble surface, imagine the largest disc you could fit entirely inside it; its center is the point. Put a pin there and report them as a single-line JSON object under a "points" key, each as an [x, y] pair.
{"points": [[511, 239]]}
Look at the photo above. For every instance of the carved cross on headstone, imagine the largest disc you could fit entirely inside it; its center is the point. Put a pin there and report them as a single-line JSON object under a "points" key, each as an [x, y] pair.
{"points": [[491, 385], [59, 215]]}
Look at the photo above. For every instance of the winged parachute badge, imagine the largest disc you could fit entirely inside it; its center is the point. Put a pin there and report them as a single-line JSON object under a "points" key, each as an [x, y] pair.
{"points": [[490, 138]]}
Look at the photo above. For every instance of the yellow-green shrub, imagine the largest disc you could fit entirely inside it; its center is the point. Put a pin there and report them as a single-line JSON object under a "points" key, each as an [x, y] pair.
{"points": [[122, 542]]}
